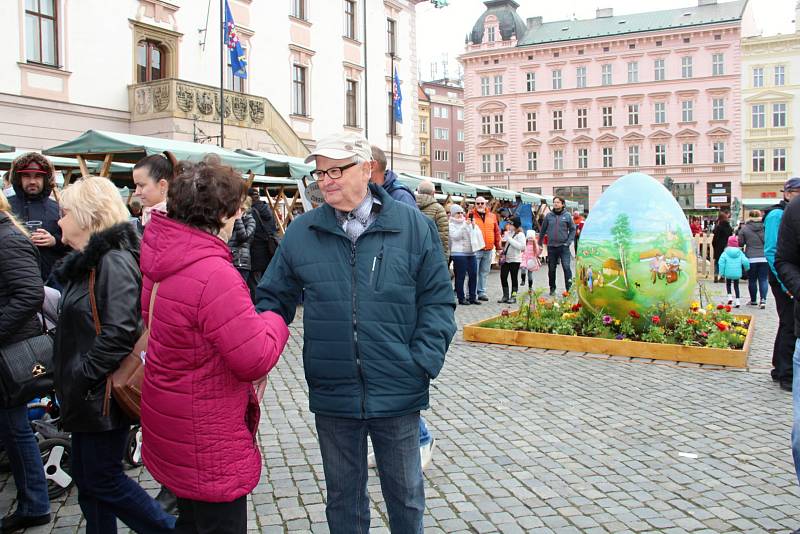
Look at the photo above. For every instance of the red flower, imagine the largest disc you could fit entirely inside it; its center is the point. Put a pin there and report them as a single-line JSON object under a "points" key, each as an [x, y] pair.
{"points": [[691, 321], [504, 313], [634, 314], [576, 307], [728, 309], [720, 307], [656, 319], [721, 327], [704, 334], [565, 294]]}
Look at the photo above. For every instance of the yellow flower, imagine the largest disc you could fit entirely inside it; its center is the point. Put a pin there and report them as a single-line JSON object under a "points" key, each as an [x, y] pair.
{"points": [[616, 322], [694, 305], [710, 307]]}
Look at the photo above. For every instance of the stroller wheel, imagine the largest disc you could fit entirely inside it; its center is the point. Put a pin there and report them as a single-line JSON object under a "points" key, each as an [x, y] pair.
{"points": [[133, 449], [56, 457]]}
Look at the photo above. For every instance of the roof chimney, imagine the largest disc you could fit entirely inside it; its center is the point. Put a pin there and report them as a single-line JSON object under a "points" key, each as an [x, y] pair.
{"points": [[534, 22], [606, 12], [706, 2]]}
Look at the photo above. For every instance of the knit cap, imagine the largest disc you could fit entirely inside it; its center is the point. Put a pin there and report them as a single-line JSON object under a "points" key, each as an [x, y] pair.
{"points": [[733, 241], [455, 208], [530, 234]]}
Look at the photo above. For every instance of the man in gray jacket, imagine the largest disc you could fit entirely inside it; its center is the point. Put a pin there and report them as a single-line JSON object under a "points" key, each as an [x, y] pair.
{"points": [[559, 228]]}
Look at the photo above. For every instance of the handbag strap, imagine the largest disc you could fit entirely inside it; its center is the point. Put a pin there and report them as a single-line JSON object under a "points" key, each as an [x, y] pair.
{"points": [[93, 302]]}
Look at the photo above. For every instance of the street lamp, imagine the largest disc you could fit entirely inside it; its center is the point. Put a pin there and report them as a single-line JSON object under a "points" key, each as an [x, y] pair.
{"points": [[508, 177]]}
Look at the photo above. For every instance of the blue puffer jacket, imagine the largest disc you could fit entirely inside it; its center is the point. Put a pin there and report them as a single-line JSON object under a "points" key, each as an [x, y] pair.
{"points": [[378, 315], [732, 263]]}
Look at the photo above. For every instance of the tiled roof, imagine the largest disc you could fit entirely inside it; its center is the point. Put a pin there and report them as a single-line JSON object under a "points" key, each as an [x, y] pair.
{"points": [[568, 30]]}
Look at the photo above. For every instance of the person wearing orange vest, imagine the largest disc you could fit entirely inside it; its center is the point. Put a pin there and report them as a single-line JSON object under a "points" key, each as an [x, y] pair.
{"points": [[487, 222]]}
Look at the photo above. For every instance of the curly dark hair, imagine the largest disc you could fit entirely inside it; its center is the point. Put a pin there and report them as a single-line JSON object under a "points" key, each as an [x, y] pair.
{"points": [[202, 194], [24, 160]]}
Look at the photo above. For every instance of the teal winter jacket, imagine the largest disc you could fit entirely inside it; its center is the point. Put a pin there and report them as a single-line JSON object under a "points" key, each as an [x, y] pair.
{"points": [[732, 263], [378, 315]]}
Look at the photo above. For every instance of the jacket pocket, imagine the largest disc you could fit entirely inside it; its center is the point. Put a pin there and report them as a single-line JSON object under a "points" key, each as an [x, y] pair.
{"points": [[376, 274]]}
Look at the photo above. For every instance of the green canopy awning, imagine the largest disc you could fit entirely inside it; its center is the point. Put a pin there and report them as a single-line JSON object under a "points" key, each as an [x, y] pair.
{"points": [[409, 181], [446, 186], [478, 188], [281, 165], [64, 164], [502, 194], [95, 144], [273, 181], [6, 148]]}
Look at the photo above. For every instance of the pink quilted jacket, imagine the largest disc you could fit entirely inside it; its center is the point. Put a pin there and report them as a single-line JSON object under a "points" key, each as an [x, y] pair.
{"points": [[207, 345]]}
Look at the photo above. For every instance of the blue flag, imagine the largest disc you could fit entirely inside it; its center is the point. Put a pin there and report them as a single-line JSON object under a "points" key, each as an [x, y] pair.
{"points": [[397, 97], [238, 58]]}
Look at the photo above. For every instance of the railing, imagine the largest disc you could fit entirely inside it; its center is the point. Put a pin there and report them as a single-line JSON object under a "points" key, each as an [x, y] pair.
{"points": [[776, 177]]}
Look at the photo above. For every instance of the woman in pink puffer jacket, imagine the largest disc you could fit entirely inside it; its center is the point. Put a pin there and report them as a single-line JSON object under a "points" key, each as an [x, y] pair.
{"points": [[208, 355]]}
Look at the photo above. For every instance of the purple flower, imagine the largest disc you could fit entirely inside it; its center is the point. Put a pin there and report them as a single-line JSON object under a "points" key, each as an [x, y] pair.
{"points": [[607, 320], [620, 337]]}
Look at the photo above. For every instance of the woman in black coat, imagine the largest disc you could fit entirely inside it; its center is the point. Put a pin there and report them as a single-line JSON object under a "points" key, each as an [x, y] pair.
{"points": [[21, 296], [95, 224], [722, 231]]}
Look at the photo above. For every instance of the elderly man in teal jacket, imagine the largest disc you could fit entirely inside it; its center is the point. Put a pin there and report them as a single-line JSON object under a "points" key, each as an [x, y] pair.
{"points": [[378, 319]]}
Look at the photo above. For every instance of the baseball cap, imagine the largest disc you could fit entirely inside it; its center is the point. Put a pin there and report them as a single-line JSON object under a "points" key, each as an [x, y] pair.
{"points": [[792, 184], [342, 146]]}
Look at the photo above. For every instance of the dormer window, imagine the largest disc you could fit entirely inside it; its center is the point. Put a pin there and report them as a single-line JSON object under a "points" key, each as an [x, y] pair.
{"points": [[491, 34]]}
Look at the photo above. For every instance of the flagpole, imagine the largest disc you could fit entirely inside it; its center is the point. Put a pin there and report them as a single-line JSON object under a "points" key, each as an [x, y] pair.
{"points": [[222, 74], [394, 122]]}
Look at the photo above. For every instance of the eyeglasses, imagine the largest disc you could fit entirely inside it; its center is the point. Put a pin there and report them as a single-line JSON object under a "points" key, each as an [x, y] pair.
{"points": [[334, 173], [480, 203]]}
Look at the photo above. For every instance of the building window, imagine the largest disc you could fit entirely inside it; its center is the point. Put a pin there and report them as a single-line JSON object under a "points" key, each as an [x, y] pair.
{"points": [[633, 71], [442, 133], [423, 148], [659, 70], [686, 67], [460, 136], [41, 33], [150, 62], [491, 32], [485, 86], [583, 117], [299, 90], [758, 77], [460, 114], [461, 177], [608, 117], [583, 158], [391, 36], [533, 163], [717, 64], [661, 155], [688, 153], [557, 79], [350, 19], [780, 78], [233, 83], [608, 157], [558, 119], [351, 104], [498, 85], [441, 155], [299, 9], [423, 125], [719, 152], [606, 74], [779, 115], [580, 77], [486, 125], [441, 175], [684, 194], [461, 157], [531, 115], [486, 163], [687, 111], [530, 80], [498, 163], [758, 116], [633, 156], [718, 109], [558, 160], [633, 114], [440, 112], [779, 159], [758, 160], [498, 124], [661, 112]]}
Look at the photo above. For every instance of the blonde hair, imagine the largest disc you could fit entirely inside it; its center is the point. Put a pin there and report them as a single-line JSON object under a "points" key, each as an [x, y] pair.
{"points": [[95, 203], [5, 207]]}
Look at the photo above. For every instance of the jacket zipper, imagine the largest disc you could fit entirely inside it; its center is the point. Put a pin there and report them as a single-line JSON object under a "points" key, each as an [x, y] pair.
{"points": [[376, 270], [355, 331]]}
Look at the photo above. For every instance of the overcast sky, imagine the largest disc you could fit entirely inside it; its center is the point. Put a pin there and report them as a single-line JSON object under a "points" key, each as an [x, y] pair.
{"points": [[441, 32]]}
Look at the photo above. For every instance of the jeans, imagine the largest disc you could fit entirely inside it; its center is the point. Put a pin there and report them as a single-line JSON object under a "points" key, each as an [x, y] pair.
{"points": [[424, 433], [343, 444], [509, 268], [105, 492], [784, 339], [735, 283], [200, 517], [465, 266], [484, 266], [757, 281], [554, 255], [26, 462], [796, 409]]}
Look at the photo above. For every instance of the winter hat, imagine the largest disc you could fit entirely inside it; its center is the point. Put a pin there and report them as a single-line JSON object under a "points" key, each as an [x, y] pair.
{"points": [[530, 234], [455, 208], [516, 222], [733, 241]]}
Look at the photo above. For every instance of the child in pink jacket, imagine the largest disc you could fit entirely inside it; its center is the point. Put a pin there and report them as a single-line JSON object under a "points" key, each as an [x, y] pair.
{"points": [[530, 258]]}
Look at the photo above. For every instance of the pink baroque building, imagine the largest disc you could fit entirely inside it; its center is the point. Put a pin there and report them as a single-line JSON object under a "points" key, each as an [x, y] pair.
{"points": [[565, 108]]}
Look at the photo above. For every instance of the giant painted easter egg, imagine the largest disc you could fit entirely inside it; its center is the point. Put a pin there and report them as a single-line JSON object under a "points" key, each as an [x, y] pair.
{"points": [[635, 250]]}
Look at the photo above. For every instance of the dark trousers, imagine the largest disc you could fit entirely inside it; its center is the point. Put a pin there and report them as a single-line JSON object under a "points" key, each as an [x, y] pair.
{"points": [[555, 255], [26, 461], [512, 268], [735, 283], [200, 517], [105, 492], [783, 349], [466, 266], [757, 281]]}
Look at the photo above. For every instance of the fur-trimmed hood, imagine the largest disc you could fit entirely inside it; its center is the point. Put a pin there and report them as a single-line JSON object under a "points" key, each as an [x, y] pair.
{"points": [[20, 163], [122, 236]]}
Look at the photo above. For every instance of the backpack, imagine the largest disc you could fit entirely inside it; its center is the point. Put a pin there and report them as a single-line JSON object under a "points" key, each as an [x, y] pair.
{"points": [[265, 244]]}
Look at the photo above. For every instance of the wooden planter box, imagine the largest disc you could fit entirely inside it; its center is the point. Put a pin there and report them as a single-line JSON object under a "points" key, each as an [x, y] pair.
{"points": [[636, 349]]}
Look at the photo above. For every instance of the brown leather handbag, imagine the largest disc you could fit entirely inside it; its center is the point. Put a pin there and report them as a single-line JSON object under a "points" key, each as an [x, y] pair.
{"points": [[125, 384]]}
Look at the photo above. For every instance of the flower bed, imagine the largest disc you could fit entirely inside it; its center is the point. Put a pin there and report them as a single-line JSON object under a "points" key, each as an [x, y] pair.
{"points": [[706, 335]]}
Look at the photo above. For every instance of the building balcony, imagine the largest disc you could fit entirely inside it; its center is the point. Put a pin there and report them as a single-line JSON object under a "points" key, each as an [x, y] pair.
{"points": [[771, 133], [773, 177], [178, 99]]}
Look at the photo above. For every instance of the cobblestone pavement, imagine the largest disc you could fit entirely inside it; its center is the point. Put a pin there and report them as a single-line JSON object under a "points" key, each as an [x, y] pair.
{"points": [[541, 441]]}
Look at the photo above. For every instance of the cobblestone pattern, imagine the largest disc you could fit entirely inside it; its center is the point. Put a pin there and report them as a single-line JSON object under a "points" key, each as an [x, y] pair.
{"points": [[543, 441]]}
